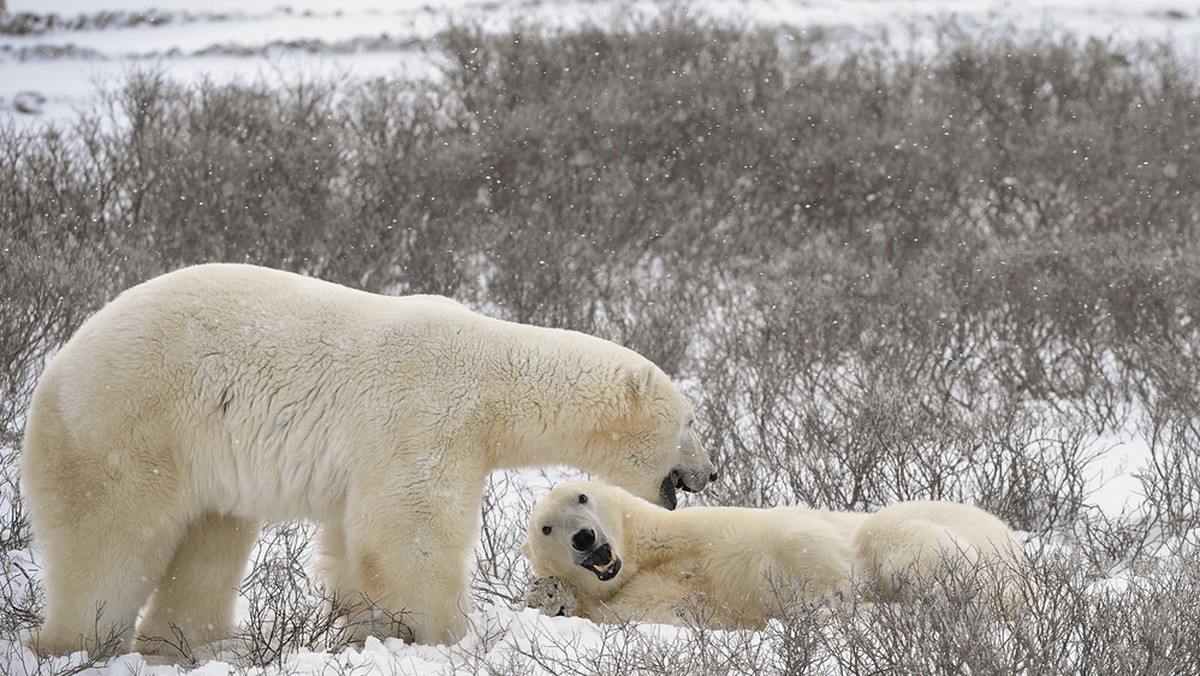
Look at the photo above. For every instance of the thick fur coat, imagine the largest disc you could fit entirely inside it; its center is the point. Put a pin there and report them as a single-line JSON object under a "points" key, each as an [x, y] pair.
{"points": [[604, 554], [198, 404]]}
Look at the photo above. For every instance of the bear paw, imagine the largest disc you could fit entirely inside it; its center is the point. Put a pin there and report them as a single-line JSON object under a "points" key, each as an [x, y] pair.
{"points": [[551, 596]]}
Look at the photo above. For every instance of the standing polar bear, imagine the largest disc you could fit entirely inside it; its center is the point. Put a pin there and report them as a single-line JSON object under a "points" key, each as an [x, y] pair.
{"points": [[198, 404], [605, 554]]}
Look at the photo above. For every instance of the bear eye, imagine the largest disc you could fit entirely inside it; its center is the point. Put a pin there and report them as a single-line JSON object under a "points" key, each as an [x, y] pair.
{"points": [[582, 498], [546, 530]]}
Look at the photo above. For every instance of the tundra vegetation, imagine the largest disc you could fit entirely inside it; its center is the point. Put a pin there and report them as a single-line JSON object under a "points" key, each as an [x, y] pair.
{"points": [[969, 272]]}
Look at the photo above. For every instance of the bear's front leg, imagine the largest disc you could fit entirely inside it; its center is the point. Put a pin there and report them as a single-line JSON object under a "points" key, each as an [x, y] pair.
{"points": [[406, 559], [552, 596], [652, 597]]}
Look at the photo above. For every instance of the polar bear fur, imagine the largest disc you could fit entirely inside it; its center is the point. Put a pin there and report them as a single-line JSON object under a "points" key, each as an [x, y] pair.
{"points": [[200, 403], [604, 554]]}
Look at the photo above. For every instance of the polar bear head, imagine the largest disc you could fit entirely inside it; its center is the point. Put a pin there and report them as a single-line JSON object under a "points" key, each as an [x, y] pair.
{"points": [[577, 534], [648, 445]]}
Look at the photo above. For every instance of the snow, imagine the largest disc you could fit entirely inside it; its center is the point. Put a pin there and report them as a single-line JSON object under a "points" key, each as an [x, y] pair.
{"points": [[1114, 486], [502, 637], [66, 68]]}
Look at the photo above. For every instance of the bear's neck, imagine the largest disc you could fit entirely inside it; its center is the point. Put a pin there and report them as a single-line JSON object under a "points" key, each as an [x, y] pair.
{"points": [[657, 536], [543, 404]]}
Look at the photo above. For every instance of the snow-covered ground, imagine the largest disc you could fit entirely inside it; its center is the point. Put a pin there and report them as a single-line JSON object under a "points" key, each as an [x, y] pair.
{"points": [[56, 67], [52, 68]]}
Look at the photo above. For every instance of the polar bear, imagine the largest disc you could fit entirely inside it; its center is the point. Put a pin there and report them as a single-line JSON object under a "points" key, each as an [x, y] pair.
{"points": [[202, 402], [604, 554]]}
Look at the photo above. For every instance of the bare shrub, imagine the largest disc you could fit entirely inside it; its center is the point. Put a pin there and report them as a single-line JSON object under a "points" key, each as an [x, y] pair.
{"points": [[500, 571], [288, 610]]}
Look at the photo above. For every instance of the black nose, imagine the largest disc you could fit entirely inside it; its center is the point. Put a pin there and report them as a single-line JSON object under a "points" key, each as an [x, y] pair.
{"points": [[583, 540]]}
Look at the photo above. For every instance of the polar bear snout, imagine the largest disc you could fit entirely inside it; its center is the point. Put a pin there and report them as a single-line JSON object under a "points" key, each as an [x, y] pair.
{"points": [[684, 478], [693, 479], [602, 561], [584, 539]]}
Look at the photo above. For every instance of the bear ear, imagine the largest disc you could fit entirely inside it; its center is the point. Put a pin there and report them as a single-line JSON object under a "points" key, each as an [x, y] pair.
{"points": [[639, 377]]}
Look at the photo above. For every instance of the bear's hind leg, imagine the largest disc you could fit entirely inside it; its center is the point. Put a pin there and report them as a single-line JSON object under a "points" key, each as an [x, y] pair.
{"points": [[903, 557], [98, 576], [194, 602], [341, 585], [105, 526]]}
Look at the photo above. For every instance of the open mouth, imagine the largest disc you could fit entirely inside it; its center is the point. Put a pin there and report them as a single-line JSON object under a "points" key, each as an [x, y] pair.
{"points": [[668, 492], [672, 485], [603, 562]]}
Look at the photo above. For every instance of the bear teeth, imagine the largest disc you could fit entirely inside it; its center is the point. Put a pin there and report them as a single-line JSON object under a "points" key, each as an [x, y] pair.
{"points": [[601, 569]]}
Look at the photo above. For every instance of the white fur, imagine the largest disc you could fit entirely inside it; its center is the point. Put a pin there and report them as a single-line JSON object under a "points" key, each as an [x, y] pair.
{"points": [[735, 566], [202, 402]]}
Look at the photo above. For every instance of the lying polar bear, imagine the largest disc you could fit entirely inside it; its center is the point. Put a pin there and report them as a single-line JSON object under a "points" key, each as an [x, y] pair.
{"points": [[605, 554]]}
